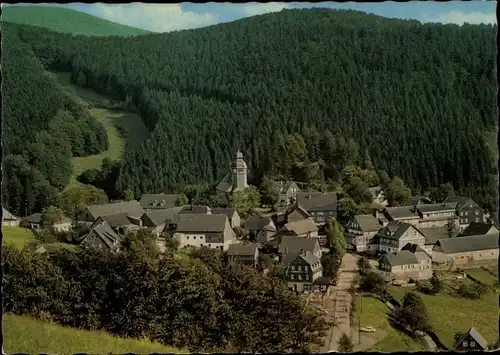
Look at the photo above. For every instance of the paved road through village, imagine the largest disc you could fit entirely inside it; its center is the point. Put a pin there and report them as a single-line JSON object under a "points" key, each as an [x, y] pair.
{"points": [[338, 301]]}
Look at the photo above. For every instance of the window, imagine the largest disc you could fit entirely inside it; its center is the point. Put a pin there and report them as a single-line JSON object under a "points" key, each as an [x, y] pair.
{"points": [[293, 268], [321, 213], [194, 237], [299, 267], [476, 213], [472, 343], [187, 237], [300, 277], [477, 219], [209, 245], [292, 277], [467, 213], [307, 277], [461, 213], [464, 343], [305, 268]]}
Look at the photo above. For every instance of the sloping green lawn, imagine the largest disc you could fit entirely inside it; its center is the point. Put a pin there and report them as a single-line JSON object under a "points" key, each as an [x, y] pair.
{"points": [[483, 276], [125, 130], [373, 312], [27, 335], [17, 236], [450, 314], [67, 21]]}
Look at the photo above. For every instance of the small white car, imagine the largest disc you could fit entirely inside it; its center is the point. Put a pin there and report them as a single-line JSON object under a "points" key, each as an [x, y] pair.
{"points": [[368, 329]]}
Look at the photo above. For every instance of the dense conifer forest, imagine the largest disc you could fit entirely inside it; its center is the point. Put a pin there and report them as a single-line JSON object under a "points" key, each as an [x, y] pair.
{"points": [[290, 89]]}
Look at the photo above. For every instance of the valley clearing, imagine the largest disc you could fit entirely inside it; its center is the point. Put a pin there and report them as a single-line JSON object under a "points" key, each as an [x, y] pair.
{"points": [[55, 339], [125, 130]]}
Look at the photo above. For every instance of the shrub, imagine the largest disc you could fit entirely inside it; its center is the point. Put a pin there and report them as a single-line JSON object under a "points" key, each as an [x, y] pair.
{"points": [[373, 282]]}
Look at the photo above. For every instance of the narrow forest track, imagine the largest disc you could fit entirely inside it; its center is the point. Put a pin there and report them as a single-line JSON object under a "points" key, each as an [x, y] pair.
{"points": [[125, 130]]}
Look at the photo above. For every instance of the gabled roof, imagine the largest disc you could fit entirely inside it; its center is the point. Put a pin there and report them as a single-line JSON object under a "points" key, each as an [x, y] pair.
{"points": [[105, 233], [34, 218], [115, 220], [317, 201], [367, 222], [301, 227], [229, 212], [476, 336], [162, 216], [242, 249], [396, 213], [301, 210], [6, 215], [417, 200], [257, 223], [467, 244], [433, 234], [434, 208], [285, 186], [292, 243], [404, 257], [201, 223], [394, 230], [195, 209], [159, 200], [477, 228], [131, 208], [459, 200], [306, 255]]}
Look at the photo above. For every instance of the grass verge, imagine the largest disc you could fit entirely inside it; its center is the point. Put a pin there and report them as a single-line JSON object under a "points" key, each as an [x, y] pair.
{"points": [[55, 339], [125, 130], [450, 314], [17, 236], [373, 312]]}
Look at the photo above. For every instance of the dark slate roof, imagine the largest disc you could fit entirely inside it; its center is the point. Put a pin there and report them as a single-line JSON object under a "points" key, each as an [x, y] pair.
{"points": [[317, 201], [322, 280], [257, 223], [292, 243], [229, 212], [394, 230], [104, 232], [477, 337], [433, 234], [34, 218], [225, 184], [417, 200], [131, 208], [162, 216], [195, 209], [6, 215], [467, 244], [477, 228], [158, 200], [202, 223], [117, 220], [301, 227], [404, 257], [307, 256], [367, 222], [396, 213], [412, 248], [301, 210], [459, 200], [434, 208], [242, 249]]}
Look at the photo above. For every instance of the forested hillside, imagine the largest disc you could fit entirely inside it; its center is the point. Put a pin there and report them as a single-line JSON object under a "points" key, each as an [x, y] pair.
{"points": [[42, 128], [419, 98], [66, 21]]}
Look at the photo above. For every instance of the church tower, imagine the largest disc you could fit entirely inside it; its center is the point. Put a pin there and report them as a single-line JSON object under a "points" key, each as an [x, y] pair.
{"points": [[239, 170]]}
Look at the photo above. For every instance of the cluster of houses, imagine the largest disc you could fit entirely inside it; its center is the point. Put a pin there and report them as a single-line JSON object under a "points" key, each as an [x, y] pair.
{"points": [[411, 239]]}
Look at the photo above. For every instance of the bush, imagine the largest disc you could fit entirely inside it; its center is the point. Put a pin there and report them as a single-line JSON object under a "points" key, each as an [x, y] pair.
{"points": [[373, 282], [472, 290], [195, 302]]}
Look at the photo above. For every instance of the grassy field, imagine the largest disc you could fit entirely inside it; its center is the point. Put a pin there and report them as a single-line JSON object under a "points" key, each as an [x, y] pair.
{"points": [[373, 313], [483, 276], [125, 130], [27, 335], [66, 21], [451, 314], [17, 236]]}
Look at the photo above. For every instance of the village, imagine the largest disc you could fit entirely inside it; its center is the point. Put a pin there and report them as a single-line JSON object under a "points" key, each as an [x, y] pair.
{"points": [[405, 244]]}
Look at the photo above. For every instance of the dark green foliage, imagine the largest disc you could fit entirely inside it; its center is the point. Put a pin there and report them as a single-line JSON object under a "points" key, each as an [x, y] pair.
{"points": [[472, 289], [330, 265], [42, 128], [372, 282], [302, 93], [345, 344], [412, 315], [196, 302], [363, 265]]}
